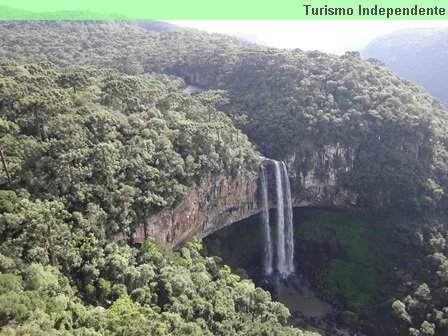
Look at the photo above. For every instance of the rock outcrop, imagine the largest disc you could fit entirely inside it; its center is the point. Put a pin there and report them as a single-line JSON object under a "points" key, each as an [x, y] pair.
{"points": [[216, 202], [316, 176]]}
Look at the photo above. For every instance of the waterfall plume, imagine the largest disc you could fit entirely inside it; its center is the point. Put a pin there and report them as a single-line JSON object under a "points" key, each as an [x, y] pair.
{"points": [[289, 230], [268, 254], [281, 257], [282, 261]]}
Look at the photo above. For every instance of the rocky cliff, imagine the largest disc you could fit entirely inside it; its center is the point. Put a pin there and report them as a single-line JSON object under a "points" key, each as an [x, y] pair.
{"points": [[221, 200], [216, 202], [317, 173]]}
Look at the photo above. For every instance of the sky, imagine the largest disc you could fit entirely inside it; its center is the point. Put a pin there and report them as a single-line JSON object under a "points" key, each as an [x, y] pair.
{"points": [[329, 36]]}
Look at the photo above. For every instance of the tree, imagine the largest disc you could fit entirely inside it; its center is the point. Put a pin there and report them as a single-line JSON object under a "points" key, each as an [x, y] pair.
{"points": [[74, 79], [213, 99], [42, 105]]}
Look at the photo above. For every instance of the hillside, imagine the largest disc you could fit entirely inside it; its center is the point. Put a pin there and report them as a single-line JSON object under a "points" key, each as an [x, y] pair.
{"points": [[295, 102], [419, 55]]}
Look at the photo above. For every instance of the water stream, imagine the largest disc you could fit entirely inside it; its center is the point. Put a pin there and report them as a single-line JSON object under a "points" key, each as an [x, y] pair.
{"points": [[268, 254], [283, 263]]}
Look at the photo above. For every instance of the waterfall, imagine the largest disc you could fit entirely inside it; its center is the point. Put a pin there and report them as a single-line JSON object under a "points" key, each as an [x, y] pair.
{"points": [[284, 242], [281, 257], [289, 230], [268, 256]]}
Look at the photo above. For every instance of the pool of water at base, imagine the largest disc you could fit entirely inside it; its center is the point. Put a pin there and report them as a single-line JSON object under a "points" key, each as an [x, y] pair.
{"points": [[300, 299]]}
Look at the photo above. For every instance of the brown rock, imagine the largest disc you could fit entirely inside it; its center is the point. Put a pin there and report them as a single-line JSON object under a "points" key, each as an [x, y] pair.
{"points": [[216, 202]]}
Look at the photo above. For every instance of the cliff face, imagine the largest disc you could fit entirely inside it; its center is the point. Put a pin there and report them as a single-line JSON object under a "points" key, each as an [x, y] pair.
{"points": [[221, 200], [216, 202], [316, 176]]}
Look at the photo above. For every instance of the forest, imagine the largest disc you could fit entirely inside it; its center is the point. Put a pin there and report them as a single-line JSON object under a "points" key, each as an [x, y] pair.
{"points": [[97, 134]]}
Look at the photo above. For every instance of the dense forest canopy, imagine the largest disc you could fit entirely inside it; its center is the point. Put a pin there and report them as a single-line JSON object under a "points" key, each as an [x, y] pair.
{"points": [[288, 102], [96, 134], [129, 145], [416, 54]]}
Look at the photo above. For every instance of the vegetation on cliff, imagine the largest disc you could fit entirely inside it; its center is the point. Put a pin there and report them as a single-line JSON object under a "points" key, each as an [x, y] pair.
{"points": [[385, 272]]}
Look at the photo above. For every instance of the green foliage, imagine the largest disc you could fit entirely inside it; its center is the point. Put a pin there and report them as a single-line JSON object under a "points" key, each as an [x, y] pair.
{"points": [[295, 101], [112, 146], [352, 270], [421, 306], [390, 269], [92, 151], [171, 294], [7, 200]]}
